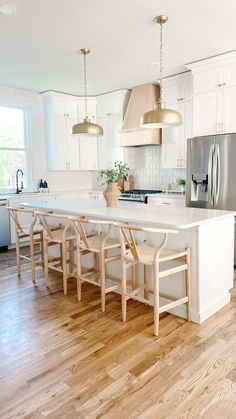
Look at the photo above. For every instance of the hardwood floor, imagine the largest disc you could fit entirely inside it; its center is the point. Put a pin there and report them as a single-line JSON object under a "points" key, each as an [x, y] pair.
{"points": [[64, 359]]}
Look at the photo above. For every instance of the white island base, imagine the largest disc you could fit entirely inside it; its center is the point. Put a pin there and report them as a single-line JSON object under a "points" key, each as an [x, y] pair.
{"points": [[209, 234]]}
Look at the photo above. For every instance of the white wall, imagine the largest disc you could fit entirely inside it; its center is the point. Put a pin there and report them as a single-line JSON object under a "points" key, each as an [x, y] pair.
{"points": [[33, 103]]}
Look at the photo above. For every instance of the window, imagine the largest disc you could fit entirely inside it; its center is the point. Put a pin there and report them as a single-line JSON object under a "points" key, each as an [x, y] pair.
{"points": [[14, 150]]}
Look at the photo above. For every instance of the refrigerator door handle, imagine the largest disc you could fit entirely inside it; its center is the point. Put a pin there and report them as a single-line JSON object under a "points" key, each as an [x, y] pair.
{"points": [[210, 175], [217, 173]]}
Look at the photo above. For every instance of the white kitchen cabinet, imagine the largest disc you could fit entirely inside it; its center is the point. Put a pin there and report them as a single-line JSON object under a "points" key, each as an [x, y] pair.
{"points": [[214, 78], [66, 151], [207, 113], [110, 109], [174, 139], [168, 199], [229, 106], [92, 109], [61, 113], [88, 153], [214, 100], [214, 112], [177, 88]]}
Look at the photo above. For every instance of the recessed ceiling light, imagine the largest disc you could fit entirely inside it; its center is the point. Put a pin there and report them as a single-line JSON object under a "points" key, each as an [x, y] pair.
{"points": [[7, 9]]}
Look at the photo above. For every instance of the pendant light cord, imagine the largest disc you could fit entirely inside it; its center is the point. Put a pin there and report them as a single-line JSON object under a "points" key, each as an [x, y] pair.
{"points": [[85, 87], [161, 59]]}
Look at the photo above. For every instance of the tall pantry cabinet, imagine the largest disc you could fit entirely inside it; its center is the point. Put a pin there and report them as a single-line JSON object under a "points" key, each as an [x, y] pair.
{"points": [[214, 95]]}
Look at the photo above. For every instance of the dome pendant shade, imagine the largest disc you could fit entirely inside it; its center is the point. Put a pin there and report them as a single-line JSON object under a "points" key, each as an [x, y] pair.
{"points": [[160, 117], [87, 128]]}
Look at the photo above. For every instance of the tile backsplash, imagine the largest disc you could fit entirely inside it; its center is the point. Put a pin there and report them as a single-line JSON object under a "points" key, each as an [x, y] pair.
{"points": [[146, 167]]}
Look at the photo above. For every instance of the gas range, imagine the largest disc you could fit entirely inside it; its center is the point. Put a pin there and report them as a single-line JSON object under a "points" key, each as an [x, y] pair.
{"points": [[138, 195]]}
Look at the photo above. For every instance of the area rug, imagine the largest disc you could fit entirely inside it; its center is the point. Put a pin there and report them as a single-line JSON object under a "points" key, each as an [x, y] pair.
{"points": [[8, 258]]}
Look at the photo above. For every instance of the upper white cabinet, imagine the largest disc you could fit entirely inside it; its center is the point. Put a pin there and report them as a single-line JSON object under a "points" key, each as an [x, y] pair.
{"points": [[110, 110], [214, 99], [177, 88], [65, 151], [209, 79], [174, 139]]}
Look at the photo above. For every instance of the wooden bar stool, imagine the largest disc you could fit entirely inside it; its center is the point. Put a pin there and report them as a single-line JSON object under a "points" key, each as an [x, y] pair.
{"points": [[99, 245], [64, 238], [148, 255], [33, 232]]}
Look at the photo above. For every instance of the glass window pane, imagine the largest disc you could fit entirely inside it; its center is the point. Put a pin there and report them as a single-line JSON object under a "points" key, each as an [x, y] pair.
{"points": [[10, 162], [11, 127]]}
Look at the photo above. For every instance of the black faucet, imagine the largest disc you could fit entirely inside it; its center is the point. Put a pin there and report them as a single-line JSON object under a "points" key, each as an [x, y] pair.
{"points": [[18, 190]]}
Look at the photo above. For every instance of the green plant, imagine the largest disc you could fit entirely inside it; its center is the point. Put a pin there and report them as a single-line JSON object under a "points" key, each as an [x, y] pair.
{"points": [[112, 175], [181, 182], [122, 168]]}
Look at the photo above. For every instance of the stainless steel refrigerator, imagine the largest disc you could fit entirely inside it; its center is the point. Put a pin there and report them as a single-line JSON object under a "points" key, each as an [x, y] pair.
{"points": [[211, 172]]}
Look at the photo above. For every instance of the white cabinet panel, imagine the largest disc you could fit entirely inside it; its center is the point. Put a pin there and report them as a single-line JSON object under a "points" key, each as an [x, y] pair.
{"points": [[207, 80], [174, 139], [88, 153], [207, 113], [167, 200], [109, 149], [229, 77], [229, 101], [177, 88], [62, 112], [72, 146], [57, 144]]}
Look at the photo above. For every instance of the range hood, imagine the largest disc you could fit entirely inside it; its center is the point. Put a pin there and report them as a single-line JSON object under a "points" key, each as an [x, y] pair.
{"points": [[142, 99]]}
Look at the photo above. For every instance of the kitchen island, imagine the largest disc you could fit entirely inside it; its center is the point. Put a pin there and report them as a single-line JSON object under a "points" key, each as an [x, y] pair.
{"points": [[209, 233]]}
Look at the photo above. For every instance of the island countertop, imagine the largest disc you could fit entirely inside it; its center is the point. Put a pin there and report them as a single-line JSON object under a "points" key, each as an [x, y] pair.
{"points": [[157, 216]]}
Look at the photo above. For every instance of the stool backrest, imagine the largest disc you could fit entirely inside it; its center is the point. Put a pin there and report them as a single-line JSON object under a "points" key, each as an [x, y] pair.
{"points": [[44, 217], [14, 214], [128, 239], [80, 224]]}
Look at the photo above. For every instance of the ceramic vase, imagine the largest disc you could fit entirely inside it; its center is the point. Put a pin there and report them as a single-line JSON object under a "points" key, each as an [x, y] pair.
{"points": [[112, 194]]}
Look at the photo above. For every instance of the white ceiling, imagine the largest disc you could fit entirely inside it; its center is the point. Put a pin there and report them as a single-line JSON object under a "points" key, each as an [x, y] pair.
{"points": [[39, 45]]}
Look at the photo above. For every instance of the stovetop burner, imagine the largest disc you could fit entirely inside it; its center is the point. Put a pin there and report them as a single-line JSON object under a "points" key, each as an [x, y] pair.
{"points": [[139, 195]]}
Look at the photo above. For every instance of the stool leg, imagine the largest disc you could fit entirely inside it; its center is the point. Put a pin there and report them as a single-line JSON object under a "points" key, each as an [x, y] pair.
{"points": [[32, 258], [78, 272], [145, 281], [71, 255], [103, 279], [45, 258], [64, 267], [123, 288], [95, 264], [41, 249], [187, 280], [18, 254], [156, 298], [134, 272]]}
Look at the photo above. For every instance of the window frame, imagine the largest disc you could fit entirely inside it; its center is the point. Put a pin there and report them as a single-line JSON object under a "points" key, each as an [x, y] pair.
{"points": [[28, 173]]}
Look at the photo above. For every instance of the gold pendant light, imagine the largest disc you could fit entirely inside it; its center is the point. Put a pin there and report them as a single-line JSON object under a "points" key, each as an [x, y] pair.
{"points": [[86, 127], [161, 117]]}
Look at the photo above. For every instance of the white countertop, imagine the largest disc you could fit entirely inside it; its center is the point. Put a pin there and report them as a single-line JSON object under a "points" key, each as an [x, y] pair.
{"points": [[156, 216]]}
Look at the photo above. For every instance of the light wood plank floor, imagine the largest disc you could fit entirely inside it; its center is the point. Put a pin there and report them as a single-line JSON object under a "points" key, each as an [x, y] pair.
{"points": [[64, 359]]}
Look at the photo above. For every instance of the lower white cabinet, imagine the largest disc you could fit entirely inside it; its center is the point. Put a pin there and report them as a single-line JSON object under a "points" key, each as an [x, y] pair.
{"points": [[177, 201], [174, 139]]}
